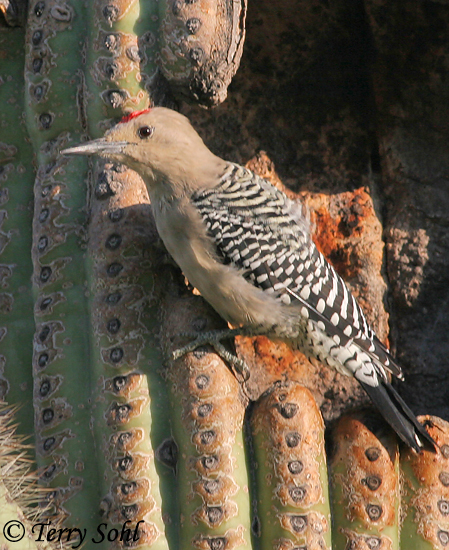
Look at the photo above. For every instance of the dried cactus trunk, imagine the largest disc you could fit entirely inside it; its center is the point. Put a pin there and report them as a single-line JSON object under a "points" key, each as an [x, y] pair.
{"points": [[201, 46]]}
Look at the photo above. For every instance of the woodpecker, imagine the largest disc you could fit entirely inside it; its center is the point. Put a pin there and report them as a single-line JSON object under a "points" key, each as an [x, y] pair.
{"points": [[247, 248]]}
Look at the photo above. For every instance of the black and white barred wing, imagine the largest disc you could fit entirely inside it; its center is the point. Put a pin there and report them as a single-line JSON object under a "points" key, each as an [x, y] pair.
{"points": [[257, 229]]}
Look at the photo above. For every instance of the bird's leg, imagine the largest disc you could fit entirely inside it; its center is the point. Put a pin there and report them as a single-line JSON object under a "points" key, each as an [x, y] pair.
{"points": [[214, 338]]}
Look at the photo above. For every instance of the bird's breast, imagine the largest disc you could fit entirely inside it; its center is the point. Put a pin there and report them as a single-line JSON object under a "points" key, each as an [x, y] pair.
{"points": [[223, 286]]}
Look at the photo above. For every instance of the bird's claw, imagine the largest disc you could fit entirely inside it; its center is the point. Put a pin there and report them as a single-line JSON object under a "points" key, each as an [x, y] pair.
{"points": [[214, 339]]}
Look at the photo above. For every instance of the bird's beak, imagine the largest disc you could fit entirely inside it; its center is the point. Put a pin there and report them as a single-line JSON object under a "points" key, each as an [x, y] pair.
{"points": [[100, 147]]}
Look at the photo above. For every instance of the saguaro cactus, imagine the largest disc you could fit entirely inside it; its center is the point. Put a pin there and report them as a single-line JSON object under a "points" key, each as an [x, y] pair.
{"points": [[127, 441]]}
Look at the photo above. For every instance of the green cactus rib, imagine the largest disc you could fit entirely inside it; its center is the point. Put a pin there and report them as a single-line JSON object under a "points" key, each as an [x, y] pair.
{"points": [[62, 358], [116, 59], [129, 400], [126, 362], [207, 412], [365, 489], [425, 494], [292, 491], [16, 214]]}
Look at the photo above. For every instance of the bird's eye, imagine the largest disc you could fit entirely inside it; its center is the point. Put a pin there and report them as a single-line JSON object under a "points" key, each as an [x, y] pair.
{"points": [[145, 131]]}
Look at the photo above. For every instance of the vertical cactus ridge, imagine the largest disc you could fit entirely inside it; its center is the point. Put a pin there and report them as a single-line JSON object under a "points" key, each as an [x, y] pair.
{"points": [[365, 489], [293, 501], [52, 74], [207, 409], [16, 214], [61, 358], [126, 365], [426, 492], [113, 61]]}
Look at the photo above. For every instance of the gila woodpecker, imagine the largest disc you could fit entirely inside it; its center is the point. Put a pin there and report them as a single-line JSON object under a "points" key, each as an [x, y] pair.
{"points": [[247, 248]]}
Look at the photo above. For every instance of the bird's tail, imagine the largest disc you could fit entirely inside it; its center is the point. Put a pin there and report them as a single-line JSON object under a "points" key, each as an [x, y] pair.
{"points": [[396, 412]]}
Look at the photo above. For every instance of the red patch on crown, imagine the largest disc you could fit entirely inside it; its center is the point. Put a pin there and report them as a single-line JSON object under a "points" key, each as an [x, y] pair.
{"points": [[135, 114]]}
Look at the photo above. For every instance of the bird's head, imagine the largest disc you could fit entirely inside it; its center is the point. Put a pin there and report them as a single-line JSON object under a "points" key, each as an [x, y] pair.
{"points": [[158, 143]]}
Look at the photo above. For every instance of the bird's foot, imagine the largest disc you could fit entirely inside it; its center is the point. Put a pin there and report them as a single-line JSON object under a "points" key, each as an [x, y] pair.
{"points": [[214, 338]]}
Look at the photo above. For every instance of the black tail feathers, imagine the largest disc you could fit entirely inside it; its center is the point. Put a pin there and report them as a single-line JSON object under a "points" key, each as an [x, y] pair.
{"points": [[396, 412]]}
